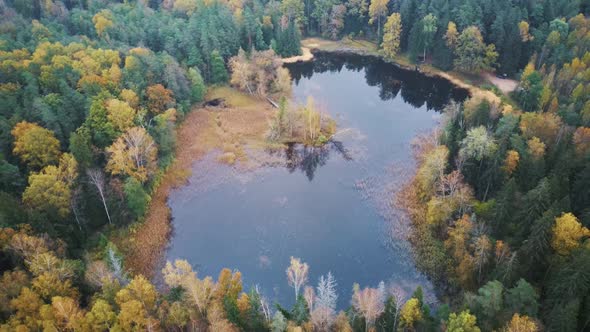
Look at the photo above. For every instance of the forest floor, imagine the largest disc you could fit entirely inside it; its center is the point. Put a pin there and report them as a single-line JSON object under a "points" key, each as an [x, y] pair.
{"points": [[239, 125]]}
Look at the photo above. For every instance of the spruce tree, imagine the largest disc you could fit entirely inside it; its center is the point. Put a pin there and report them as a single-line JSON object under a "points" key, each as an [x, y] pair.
{"points": [[218, 73]]}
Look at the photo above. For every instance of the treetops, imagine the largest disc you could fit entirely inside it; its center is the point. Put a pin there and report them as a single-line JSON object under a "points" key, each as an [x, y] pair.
{"points": [[97, 86], [504, 197], [44, 293]]}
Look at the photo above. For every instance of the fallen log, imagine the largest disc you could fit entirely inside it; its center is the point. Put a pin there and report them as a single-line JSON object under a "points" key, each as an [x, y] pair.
{"points": [[273, 103]]}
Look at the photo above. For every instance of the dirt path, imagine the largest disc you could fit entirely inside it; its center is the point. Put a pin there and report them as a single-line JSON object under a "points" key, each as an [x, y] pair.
{"points": [[242, 123], [304, 57], [505, 85]]}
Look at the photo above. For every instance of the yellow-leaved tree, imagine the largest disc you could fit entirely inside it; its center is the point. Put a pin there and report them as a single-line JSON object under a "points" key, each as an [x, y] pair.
{"points": [[187, 7], [522, 323], [536, 147], [101, 317], [103, 20], [391, 35], [134, 153], [51, 189], [525, 35], [511, 161], [567, 233], [137, 302], [377, 11], [130, 97], [35, 145], [411, 313], [120, 114], [452, 35], [67, 314]]}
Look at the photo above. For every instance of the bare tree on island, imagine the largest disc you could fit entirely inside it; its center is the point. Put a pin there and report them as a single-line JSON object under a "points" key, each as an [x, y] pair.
{"points": [[297, 274], [96, 177]]}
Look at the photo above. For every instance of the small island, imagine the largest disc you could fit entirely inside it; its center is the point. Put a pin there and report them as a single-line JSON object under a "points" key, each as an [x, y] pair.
{"points": [[260, 74], [295, 165]]}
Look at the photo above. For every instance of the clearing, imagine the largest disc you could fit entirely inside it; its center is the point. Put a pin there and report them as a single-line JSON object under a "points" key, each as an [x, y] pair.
{"points": [[504, 84]]}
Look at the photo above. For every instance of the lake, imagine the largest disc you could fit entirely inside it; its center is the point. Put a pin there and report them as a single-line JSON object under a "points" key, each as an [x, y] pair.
{"points": [[329, 206]]}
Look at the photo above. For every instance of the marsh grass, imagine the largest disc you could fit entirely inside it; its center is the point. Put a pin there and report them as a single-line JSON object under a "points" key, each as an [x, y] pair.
{"points": [[242, 123]]}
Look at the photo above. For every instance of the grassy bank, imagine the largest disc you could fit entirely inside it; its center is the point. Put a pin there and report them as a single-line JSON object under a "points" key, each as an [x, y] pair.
{"points": [[234, 128], [241, 122]]}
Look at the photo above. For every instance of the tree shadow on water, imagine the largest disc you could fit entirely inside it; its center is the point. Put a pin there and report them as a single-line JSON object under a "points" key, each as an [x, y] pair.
{"points": [[412, 86], [308, 159]]}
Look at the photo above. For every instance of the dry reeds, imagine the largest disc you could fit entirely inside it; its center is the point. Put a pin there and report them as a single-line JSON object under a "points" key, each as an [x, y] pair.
{"points": [[243, 122]]}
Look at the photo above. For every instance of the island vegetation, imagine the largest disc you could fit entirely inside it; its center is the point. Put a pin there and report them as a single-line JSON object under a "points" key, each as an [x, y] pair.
{"points": [[96, 118]]}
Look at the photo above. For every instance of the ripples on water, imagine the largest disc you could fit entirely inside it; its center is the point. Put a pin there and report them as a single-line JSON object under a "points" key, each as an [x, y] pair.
{"points": [[330, 206]]}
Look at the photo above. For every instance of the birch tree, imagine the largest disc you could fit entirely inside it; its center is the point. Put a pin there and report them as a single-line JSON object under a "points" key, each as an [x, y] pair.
{"points": [[428, 31], [297, 274], [377, 10], [96, 177], [391, 35], [199, 292], [399, 297], [133, 153], [324, 310], [370, 302], [482, 248]]}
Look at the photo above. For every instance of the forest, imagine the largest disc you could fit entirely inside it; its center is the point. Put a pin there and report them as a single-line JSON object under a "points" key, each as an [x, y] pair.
{"points": [[91, 94]]}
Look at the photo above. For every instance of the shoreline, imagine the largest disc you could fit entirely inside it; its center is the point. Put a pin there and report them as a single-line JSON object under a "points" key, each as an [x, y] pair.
{"points": [[366, 48], [306, 56], [241, 124], [206, 129]]}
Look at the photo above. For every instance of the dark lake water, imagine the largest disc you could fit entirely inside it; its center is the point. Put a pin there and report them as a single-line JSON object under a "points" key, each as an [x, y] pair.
{"points": [[331, 206]]}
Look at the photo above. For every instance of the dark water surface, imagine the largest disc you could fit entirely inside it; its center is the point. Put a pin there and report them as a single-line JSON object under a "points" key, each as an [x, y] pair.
{"points": [[329, 206]]}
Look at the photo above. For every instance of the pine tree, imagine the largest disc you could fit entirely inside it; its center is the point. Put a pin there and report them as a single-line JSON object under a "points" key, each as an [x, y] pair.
{"points": [[218, 72]]}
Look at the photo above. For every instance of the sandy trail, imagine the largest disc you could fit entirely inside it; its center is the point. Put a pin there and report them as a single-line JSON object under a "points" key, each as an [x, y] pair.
{"points": [[505, 85], [304, 57]]}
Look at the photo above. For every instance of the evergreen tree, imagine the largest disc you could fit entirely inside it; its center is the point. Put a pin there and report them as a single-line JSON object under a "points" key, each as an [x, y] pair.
{"points": [[218, 72]]}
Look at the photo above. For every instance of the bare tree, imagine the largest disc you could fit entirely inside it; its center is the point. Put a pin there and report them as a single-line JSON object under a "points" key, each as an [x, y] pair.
{"points": [[297, 274], [96, 177], [75, 205], [98, 273], [399, 297], [261, 73], [482, 253], [309, 295], [323, 314], [369, 302], [263, 305], [116, 265]]}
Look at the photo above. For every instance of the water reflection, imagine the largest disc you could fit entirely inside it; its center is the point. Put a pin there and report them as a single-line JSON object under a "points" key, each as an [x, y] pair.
{"points": [[307, 159], [415, 88], [330, 206]]}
